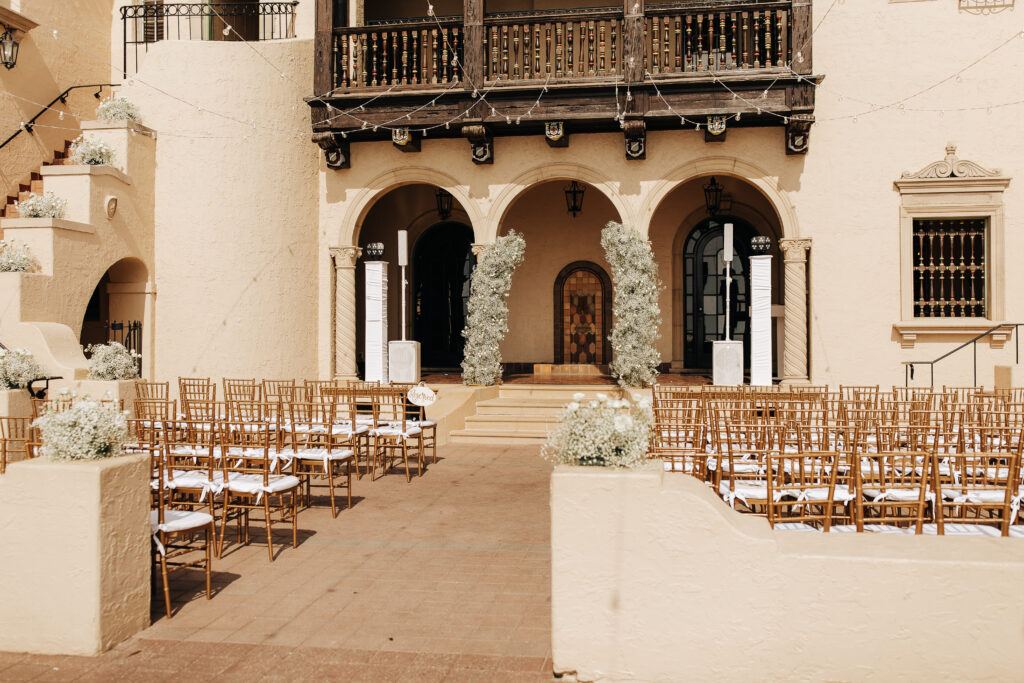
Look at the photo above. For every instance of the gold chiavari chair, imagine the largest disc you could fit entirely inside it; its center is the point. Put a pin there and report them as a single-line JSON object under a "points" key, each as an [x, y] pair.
{"points": [[394, 433], [962, 394], [418, 414], [321, 450], [203, 410], [315, 387], [893, 490], [178, 535], [193, 474], [865, 395], [241, 390], [196, 389], [741, 467], [18, 440], [156, 391], [155, 410], [982, 490], [349, 425], [803, 491], [279, 390], [680, 439], [250, 486]]}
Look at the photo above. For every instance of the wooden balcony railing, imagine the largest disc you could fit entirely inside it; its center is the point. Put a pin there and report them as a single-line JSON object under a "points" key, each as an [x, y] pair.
{"points": [[425, 52], [565, 44]]}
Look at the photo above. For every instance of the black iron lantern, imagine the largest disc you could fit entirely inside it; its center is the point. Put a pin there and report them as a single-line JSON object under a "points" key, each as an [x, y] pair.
{"points": [[444, 203], [8, 49], [760, 244], [373, 251], [574, 197], [713, 197]]}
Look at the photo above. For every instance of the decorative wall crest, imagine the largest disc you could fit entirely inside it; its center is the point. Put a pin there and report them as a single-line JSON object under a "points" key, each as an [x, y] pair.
{"points": [[481, 143], [636, 139], [336, 149], [403, 139], [554, 133], [798, 133], [716, 125], [953, 167]]}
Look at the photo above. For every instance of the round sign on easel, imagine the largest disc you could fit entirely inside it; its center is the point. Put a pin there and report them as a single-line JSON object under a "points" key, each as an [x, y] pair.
{"points": [[421, 395]]}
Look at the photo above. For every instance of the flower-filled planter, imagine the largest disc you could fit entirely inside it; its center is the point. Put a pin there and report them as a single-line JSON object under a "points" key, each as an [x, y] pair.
{"points": [[91, 152], [79, 521]]}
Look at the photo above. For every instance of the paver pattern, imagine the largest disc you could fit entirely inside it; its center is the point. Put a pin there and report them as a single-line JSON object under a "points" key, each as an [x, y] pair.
{"points": [[444, 578]]}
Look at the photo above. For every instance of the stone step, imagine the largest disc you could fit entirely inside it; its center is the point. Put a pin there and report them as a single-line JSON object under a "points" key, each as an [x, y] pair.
{"points": [[496, 437], [515, 423], [522, 407], [556, 391]]}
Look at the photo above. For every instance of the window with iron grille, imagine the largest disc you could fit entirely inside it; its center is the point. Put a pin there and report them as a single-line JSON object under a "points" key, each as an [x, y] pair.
{"points": [[949, 268]]}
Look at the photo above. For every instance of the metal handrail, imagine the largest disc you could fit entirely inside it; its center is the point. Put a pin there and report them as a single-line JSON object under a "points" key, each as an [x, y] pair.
{"points": [[63, 99], [908, 371]]}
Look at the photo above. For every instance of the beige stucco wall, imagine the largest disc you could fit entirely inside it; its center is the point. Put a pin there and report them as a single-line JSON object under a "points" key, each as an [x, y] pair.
{"points": [[85, 588], [656, 579], [235, 225]]}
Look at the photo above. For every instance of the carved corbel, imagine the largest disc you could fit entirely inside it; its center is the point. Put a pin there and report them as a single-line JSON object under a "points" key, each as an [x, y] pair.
{"points": [[635, 132], [403, 139], [481, 143], [716, 129], [555, 135], [798, 133], [336, 149]]}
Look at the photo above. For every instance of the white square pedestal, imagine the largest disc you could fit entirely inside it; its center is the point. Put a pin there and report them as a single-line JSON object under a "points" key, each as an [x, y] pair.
{"points": [[404, 362], [728, 363]]}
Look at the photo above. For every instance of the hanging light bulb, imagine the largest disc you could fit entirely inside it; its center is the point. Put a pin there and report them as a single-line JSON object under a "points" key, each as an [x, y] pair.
{"points": [[227, 29]]}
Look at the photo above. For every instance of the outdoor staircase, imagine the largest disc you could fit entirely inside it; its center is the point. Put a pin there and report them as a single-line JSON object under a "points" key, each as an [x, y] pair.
{"points": [[35, 183], [523, 414]]}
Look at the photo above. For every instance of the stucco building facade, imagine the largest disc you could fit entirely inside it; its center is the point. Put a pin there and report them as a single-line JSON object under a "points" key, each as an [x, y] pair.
{"points": [[894, 221]]}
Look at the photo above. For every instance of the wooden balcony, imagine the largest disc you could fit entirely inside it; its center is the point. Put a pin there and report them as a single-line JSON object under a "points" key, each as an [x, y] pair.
{"points": [[632, 68]]}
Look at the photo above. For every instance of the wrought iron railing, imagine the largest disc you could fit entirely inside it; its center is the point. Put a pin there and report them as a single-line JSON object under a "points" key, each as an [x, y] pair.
{"points": [[710, 35], [908, 366], [153, 21], [129, 335], [63, 99]]}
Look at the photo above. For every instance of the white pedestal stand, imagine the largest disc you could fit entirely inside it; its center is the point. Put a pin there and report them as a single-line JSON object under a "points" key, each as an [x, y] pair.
{"points": [[761, 320], [376, 322], [404, 355], [727, 355]]}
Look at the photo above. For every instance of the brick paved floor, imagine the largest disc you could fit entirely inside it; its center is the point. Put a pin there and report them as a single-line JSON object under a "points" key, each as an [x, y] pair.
{"points": [[444, 578]]}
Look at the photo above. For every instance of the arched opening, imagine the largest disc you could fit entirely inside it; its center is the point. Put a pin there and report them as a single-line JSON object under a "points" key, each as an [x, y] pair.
{"points": [[117, 308], [441, 266], [704, 289], [583, 314], [687, 245], [437, 274], [556, 243]]}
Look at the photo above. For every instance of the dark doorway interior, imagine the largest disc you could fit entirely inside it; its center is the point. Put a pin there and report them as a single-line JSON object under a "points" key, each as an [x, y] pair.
{"points": [[441, 267]]}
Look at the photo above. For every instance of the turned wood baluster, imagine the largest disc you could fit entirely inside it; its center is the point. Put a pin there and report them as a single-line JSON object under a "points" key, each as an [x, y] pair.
{"points": [[735, 40], [745, 37], [700, 42], [504, 50], [559, 48], [341, 66], [655, 52], [515, 52], [677, 42], [394, 58], [602, 47], [723, 58], [433, 55], [919, 268], [615, 46], [495, 52], [689, 43], [406, 76], [712, 45], [757, 40], [666, 44], [538, 60], [457, 39], [374, 59], [768, 39], [781, 39], [591, 49]]}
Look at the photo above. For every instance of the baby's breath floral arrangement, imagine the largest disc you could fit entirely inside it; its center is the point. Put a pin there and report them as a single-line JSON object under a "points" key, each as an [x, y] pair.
{"points": [[118, 109], [603, 432], [487, 322], [18, 367], [91, 152], [112, 361], [15, 257], [88, 430], [636, 287], [46, 205]]}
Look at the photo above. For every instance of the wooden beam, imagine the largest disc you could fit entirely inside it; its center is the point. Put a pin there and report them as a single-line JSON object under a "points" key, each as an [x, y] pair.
{"points": [[802, 31], [323, 72], [633, 44], [473, 45]]}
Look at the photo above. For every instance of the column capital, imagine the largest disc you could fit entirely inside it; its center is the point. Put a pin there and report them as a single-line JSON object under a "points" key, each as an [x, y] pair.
{"points": [[479, 249], [345, 257], [795, 250]]}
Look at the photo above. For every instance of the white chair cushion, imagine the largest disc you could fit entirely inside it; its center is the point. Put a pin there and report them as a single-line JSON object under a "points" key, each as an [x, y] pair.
{"points": [[253, 483], [178, 520], [193, 479], [839, 495], [899, 495], [796, 526], [397, 431], [743, 491], [870, 528], [955, 529], [426, 423]]}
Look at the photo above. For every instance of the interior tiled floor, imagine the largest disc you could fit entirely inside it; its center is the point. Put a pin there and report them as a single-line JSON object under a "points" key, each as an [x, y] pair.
{"points": [[444, 578], [665, 378]]}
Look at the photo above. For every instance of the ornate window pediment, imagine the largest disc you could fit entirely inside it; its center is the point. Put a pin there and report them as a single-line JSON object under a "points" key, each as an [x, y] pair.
{"points": [[953, 167]]}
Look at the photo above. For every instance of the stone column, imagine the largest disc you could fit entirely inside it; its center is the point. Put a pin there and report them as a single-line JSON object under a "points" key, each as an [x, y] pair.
{"points": [[345, 311], [795, 365], [478, 250]]}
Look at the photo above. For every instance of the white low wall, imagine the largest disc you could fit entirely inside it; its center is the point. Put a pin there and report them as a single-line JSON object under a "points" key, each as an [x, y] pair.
{"points": [[655, 579], [74, 571]]}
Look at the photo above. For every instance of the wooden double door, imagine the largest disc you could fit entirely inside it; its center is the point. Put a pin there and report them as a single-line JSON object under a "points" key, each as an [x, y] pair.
{"points": [[583, 302]]}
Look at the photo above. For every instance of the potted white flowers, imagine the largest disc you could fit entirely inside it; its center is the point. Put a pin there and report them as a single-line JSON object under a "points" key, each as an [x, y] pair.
{"points": [[18, 367], [118, 109], [88, 430], [16, 257], [112, 361], [604, 432], [91, 152], [487, 322], [46, 205]]}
